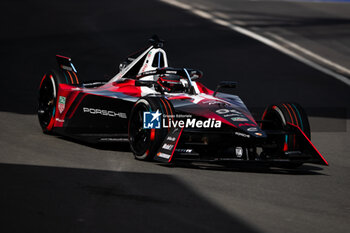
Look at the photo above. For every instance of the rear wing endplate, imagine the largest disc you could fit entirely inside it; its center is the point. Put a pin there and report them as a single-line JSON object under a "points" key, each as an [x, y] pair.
{"points": [[65, 63]]}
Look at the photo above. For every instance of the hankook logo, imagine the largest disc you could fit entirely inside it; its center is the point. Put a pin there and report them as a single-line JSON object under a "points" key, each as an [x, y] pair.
{"points": [[96, 111]]}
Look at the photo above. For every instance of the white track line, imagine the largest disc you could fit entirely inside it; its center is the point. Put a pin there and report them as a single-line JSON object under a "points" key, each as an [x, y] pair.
{"points": [[270, 43], [311, 54]]}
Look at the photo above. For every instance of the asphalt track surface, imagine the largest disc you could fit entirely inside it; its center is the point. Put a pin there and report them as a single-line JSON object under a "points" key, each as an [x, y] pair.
{"points": [[321, 27], [52, 184]]}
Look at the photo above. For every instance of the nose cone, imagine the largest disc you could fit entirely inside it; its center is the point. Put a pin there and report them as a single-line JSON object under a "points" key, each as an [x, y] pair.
{"points": [[252, 129], [242, 119], [233, 113]]}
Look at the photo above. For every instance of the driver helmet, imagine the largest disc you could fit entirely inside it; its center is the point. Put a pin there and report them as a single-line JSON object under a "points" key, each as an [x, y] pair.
{"points": [[172, 83]]}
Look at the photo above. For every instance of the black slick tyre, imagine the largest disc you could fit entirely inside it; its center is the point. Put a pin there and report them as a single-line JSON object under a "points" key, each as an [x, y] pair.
{"points": [[144, 143], [279, 117], [47, 98]]}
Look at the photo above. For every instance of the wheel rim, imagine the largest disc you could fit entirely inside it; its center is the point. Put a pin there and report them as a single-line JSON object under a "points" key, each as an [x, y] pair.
{"points": [[46, 106], [139, 137]]}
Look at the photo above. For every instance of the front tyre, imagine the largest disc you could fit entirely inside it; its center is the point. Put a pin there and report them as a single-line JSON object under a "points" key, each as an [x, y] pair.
{"points": [[144, 143], [278, 117]]}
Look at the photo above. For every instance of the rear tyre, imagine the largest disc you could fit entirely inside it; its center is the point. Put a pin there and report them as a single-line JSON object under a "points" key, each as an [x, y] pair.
{"points": [[144, 143], [277, 117], [47, 99]]}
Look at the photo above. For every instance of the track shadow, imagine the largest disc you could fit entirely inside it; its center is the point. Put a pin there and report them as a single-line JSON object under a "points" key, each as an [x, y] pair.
{"points": [[229, 166], [249, 168], [51, 199]]}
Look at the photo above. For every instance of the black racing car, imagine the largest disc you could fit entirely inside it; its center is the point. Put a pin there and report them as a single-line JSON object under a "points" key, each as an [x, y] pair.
{"points": [[166, 114]]}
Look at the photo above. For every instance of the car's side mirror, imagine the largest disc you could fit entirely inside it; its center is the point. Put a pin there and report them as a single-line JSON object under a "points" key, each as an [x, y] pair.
{"points": [[195, 74], [122, 66], [225, 84]]}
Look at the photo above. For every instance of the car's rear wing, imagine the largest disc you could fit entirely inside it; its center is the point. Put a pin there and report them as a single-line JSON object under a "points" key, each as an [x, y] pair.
{"points": [[68, 69], [65, 63]]}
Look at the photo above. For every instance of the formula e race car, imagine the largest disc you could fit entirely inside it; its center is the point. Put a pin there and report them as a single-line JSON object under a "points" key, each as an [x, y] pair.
{"points": [[167, 115]]}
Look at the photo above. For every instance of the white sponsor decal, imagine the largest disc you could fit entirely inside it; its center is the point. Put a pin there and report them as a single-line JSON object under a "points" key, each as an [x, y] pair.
{"points": [[167, 146], [242, 134], [239, 152], [239, 119], [252, 129], [222, 111], [103, 112], [211, 102], [225, 111], [163, 155], [171, 139], [232, 115], [183, 150], [59, 120]]}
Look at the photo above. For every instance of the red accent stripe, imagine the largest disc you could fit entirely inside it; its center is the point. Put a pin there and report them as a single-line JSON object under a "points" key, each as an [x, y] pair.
{"points": [[178, 97], [42, 80], [246, 124], [171, 111], [168, 89], [70, 77], [263, 116], [76, 106], [52, 121], [295, 116], [204, 89], [169, 80], [296, 120], [63, 57], [291, 117], [153, 134], [289, 113], [325, 162], [76, 78], [166, 109], [177, 140], [285, 147]]}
